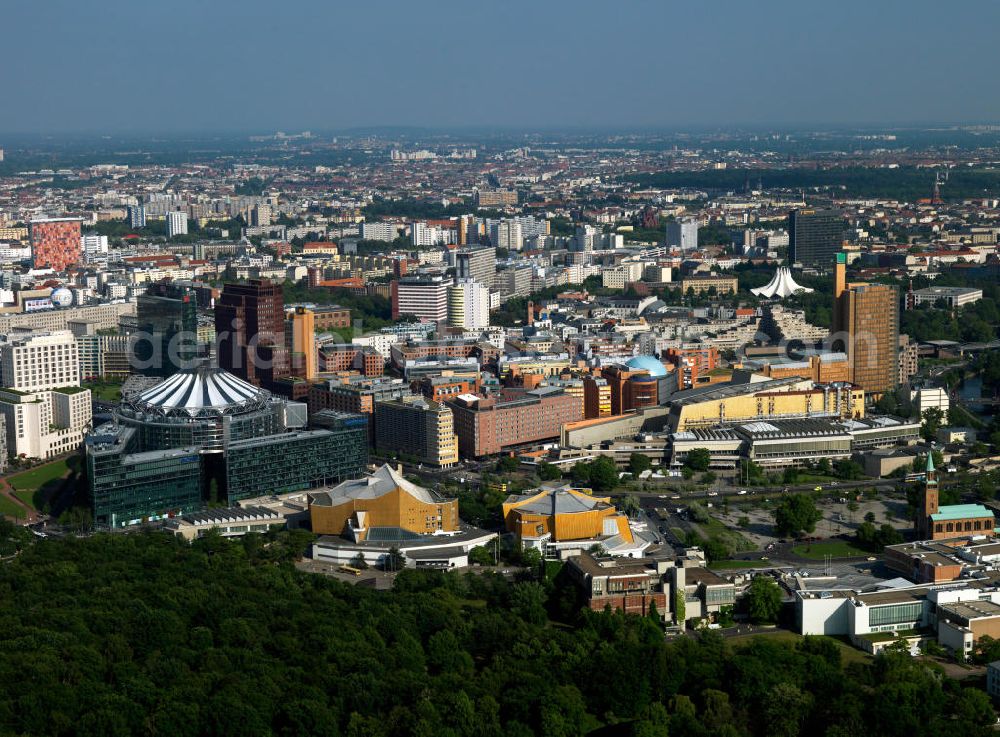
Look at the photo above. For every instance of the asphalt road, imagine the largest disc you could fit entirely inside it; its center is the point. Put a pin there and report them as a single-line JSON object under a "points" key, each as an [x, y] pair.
{"points": [[756, 492]]}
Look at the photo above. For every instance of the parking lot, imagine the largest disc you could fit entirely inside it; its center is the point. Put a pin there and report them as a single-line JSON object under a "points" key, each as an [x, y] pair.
{"points": [[837, 518]]}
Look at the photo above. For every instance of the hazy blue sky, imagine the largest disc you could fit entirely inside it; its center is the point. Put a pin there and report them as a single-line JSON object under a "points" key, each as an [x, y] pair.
{"points": [[166, 65]]}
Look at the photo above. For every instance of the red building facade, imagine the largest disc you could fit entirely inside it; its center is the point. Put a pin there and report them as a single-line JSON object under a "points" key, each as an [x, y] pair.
{"points": [[55, 243]]}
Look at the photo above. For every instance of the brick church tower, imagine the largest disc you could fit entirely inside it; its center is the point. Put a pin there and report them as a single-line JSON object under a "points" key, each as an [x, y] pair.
{"points": [[929, 500]]}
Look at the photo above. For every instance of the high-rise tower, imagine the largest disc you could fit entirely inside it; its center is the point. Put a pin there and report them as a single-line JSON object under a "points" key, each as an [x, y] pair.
{"points": [[814, 236], [866, 328], [300, 333], [250, 331]]}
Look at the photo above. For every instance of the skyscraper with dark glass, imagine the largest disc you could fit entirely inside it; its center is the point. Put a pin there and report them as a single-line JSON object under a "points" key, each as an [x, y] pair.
{"points": [[814, 236], [250, 331], [167, 338]]}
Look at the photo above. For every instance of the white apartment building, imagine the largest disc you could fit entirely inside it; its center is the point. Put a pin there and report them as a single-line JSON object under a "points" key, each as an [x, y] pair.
{"points": [[422, 234], [657, 273], [10, 253], [426, 298], [619, 276], [683, 234], [381, 343], [584, 238], [115, 291], [468, 305], [45, 424], [930, 398], [379, 231], [94, 247], [45, 411], [177, 223], [507, 234], [39, 361]]}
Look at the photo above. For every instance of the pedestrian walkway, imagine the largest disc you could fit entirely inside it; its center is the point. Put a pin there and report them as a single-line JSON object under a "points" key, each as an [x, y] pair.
{"points": [[30, 515]]}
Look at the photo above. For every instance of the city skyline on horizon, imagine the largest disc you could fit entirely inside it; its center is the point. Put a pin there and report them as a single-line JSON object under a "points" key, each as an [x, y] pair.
{"points": [[470, 132]]}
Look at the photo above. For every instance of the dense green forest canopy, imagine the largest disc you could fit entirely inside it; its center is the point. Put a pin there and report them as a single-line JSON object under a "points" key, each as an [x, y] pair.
{"points": [[977, 322], [146, 634], [905, 182], [412, 208]]}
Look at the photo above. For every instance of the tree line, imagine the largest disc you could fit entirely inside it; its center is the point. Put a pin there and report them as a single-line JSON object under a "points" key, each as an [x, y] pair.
{"points": [[906, 183], [144, 633]]}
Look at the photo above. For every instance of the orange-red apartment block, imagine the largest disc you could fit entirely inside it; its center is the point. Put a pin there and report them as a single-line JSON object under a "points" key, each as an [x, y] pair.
{"points": [[55, 243]]}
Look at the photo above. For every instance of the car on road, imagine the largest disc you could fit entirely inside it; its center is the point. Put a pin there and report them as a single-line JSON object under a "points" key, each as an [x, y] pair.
{"points": [[818, 488], [741, 492], [713, 493]]}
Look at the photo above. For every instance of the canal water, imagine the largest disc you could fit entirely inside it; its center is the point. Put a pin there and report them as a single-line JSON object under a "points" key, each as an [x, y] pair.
{"points": [[970, 391]]}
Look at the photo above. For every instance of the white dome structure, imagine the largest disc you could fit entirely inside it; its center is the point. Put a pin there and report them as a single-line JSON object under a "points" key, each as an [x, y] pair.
{"points": [[61, 297], [781, 285]]}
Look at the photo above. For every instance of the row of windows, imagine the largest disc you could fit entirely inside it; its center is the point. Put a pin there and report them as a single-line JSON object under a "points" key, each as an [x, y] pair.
{"points": [[968, 526], [907, 613], [235, 529]]}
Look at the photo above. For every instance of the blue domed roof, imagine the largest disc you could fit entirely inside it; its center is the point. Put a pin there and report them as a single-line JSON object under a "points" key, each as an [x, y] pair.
{"points": [[647, 363]]}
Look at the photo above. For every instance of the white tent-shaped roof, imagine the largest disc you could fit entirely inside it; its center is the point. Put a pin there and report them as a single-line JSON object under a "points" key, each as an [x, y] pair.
{"points": [[780, 286]]}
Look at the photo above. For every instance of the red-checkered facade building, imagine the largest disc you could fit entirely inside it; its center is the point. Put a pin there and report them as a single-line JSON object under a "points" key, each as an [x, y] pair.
{"points": [[55, 243]]}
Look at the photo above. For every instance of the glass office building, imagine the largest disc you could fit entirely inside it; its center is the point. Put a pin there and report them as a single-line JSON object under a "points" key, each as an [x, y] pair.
{"points": [[814, 236], [167, 337], [299, 460], [128, 487], [204, 432]]}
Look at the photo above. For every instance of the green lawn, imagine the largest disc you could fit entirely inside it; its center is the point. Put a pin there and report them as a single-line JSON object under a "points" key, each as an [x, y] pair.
{"points": [[109, 392], [10, 509], [848, 653], [552, 568], [27, 483], [716, 528], [816, 478], [836, 548]]}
